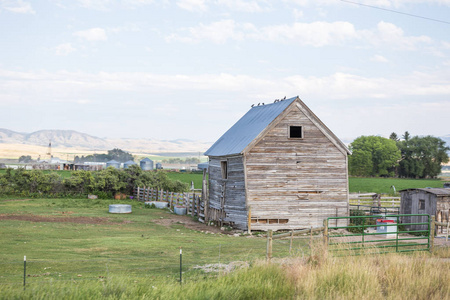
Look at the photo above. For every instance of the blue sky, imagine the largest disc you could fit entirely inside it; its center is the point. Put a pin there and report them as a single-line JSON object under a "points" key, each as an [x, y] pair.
{"points": [[191, 68]]}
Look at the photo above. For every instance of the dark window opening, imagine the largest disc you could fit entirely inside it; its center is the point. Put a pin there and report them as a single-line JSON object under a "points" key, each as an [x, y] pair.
{"points": [[422, 204], [295, 132], [224, 168]]}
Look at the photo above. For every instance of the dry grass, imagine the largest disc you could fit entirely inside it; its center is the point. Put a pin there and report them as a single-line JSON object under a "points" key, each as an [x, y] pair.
{"points": [[393, 276]]}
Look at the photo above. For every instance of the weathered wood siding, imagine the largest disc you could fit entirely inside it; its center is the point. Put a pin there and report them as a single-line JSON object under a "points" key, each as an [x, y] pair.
{"points": [[227, 196], [295, 183], [434, 204]]}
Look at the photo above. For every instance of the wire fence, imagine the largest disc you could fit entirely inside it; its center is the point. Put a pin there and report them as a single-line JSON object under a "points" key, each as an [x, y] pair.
{"points": [[204, 261]]}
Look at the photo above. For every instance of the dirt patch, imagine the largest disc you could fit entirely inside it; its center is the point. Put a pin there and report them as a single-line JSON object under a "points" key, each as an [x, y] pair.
{"points": [[57, 219], [188, 222], [14, 200]]}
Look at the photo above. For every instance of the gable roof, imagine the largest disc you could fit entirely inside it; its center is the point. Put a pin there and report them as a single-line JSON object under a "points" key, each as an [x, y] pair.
{"points": [[435, 191], [236, 139], [254, 123]]}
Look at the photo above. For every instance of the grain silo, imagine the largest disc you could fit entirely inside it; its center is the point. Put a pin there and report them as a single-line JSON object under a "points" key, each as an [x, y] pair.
{"points": [[146, 164], [127, 164], [158, 166], [113, 163]]}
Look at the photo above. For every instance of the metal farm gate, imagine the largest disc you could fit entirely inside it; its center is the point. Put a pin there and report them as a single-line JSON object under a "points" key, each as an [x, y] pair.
{"points": [[378, 234]]}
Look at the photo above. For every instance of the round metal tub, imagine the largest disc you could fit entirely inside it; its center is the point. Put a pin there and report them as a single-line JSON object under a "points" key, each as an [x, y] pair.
{"points": [[120, 209], [180, 210]]}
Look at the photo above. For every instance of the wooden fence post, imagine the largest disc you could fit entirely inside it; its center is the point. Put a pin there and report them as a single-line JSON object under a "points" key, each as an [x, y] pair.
{"points": [[249, 220], [432, 230], [269, 245], [138, 195], [325, 233]]}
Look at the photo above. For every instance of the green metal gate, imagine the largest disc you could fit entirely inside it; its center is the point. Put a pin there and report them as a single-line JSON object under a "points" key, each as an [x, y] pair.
{"points": [[379, 234]]}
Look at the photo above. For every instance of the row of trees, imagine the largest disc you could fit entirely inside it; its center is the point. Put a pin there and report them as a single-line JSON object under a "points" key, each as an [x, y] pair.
{"points": [[409, 157], [114, 154], [104, 183]]}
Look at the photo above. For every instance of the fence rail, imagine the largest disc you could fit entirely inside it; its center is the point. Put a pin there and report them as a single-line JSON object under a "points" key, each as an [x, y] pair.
{"points": [[193, 202], [369, 199], [340, 238]]}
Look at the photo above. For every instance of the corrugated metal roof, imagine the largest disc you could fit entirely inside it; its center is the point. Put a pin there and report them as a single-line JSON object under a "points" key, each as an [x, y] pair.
{"points": [[435, 191], [241, 134], [147, 159]]}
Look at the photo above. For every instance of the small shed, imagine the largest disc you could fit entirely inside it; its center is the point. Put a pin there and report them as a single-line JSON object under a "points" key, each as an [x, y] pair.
{"points": [[279, 167], [430, 201], [113, 163], [128, 164], [146, 164]]}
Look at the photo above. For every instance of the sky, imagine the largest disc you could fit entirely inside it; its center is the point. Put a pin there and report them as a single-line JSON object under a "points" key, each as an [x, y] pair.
{"points": [[189, 69]]}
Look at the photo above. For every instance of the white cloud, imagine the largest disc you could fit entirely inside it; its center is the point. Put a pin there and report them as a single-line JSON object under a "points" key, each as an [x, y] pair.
{"points": [[315, 34], [93, 34], [334, 86], [217, 32], [390, 34], [64, 49], [192, 5], [241, 5], [19, 6], [376, 3], [379, 58]]}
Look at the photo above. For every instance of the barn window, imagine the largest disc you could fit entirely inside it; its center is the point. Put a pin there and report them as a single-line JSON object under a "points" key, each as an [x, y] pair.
{"points": [[224, 168], [422, 204], [295, 132]]}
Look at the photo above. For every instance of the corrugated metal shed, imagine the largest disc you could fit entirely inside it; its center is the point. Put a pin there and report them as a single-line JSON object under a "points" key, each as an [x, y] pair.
{"points": [[113, 163], [241, 134], [128, 164], [434, 191], [146, 164]]}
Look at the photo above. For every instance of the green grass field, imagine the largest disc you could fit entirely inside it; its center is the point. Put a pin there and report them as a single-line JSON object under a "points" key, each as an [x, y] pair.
{"points": [[383, 185], [70, 237], [76, 250]]}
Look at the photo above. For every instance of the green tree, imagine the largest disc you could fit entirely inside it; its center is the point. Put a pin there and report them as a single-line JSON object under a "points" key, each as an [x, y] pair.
{"points": [[422, 157], [25, 159], [373, 156]]}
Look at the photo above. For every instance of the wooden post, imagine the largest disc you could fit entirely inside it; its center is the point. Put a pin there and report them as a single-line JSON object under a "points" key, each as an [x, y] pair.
{"points": [[292, 238], [448, 223], [269, 245], [432, 230], [205, 197], [138, 195], [249, 220], [197, 202], [325, 232]]}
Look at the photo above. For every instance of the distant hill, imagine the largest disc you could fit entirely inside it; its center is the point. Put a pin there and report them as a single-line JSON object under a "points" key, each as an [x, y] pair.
{"points": [[77, 140], [58, 138]]}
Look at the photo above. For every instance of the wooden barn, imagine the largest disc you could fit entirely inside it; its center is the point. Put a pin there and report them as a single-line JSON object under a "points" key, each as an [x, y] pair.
{"points": [[279, 167], [431, 201]]}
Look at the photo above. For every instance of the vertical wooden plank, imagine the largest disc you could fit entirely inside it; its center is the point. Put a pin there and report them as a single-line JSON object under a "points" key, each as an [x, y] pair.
{"points": [[249, 220], [269, 245], [432, 230], [325, 233]]}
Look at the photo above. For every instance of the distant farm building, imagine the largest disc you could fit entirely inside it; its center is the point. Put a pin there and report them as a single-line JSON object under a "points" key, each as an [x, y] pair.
{"points": [[431, 201], [203, 166], [278, 167], [146, 164], [113, 163], [128, 164]]}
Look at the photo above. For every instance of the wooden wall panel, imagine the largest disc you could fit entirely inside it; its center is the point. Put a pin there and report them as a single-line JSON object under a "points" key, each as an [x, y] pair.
{"points": [[302, 180]]}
